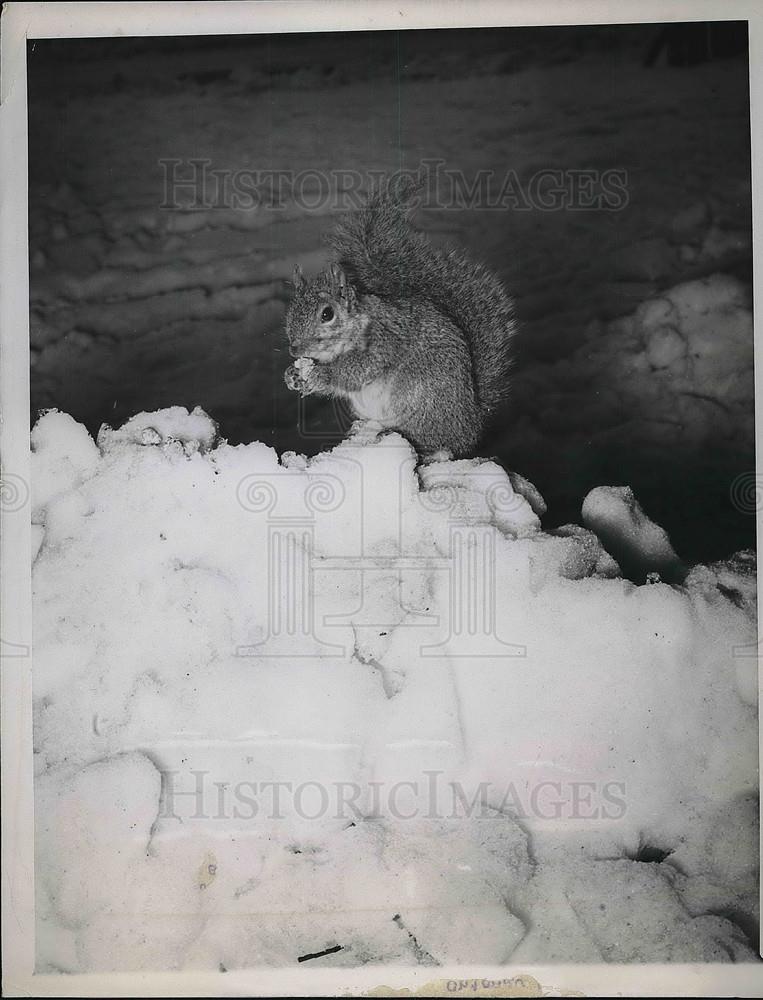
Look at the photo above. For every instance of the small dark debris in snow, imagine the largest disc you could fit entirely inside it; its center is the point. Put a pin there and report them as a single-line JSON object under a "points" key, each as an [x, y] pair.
{"points": [[304, 849], [320, 954], [422, 956]]}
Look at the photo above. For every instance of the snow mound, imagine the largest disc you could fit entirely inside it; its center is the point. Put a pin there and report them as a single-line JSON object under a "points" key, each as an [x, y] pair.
{"points": [[615, 514], [351, 709], [678, 370]]}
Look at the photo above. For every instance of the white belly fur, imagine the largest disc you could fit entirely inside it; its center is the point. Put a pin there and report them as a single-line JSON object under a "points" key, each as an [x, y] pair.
{"points": [[373, 402]]}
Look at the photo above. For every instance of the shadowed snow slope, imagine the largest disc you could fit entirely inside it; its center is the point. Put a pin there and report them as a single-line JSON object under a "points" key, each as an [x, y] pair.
{"points": [[351, 708]]}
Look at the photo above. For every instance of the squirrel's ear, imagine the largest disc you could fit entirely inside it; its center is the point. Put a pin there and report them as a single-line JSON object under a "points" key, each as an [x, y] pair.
{"points": [[339, 280], [298, 278]]}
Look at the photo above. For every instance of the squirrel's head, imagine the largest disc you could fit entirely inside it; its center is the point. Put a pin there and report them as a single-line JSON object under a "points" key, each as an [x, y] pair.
{"points": [[323, 320]]}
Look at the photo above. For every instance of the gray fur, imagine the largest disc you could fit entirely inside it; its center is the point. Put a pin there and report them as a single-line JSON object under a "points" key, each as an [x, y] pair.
{"points": [[432, 326]]}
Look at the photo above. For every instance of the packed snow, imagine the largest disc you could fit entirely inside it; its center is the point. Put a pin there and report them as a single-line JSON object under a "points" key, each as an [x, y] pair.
{"points": [[352, 709]]}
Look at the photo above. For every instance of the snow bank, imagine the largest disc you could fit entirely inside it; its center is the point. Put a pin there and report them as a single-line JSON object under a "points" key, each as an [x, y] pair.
{"points": [[662, 399], [348, 710], [686, 373], [677, 372]]}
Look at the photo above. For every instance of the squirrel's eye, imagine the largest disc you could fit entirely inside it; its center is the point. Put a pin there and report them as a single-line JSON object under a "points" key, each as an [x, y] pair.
{"points": [[327, 315]]}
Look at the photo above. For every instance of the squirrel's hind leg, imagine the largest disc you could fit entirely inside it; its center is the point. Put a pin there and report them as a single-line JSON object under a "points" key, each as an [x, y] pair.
{"points": [[364, 431]]}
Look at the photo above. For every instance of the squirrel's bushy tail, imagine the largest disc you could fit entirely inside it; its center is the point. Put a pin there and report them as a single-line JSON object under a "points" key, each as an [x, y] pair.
{"points": [[383, 255]]}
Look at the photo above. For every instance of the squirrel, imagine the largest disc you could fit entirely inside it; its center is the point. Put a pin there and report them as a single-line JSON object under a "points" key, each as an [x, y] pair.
{"points": [[417, 339]]}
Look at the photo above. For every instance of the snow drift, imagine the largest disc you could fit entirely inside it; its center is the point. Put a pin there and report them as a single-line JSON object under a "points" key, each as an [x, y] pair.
{"points": [[351, 710]]}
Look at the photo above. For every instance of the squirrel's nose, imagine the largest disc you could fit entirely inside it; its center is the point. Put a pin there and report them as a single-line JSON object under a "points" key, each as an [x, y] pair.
{"points": [[293, 351]]}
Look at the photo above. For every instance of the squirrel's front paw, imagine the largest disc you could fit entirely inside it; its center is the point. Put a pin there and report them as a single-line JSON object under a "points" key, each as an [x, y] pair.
{"points": [[293, 379]]}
